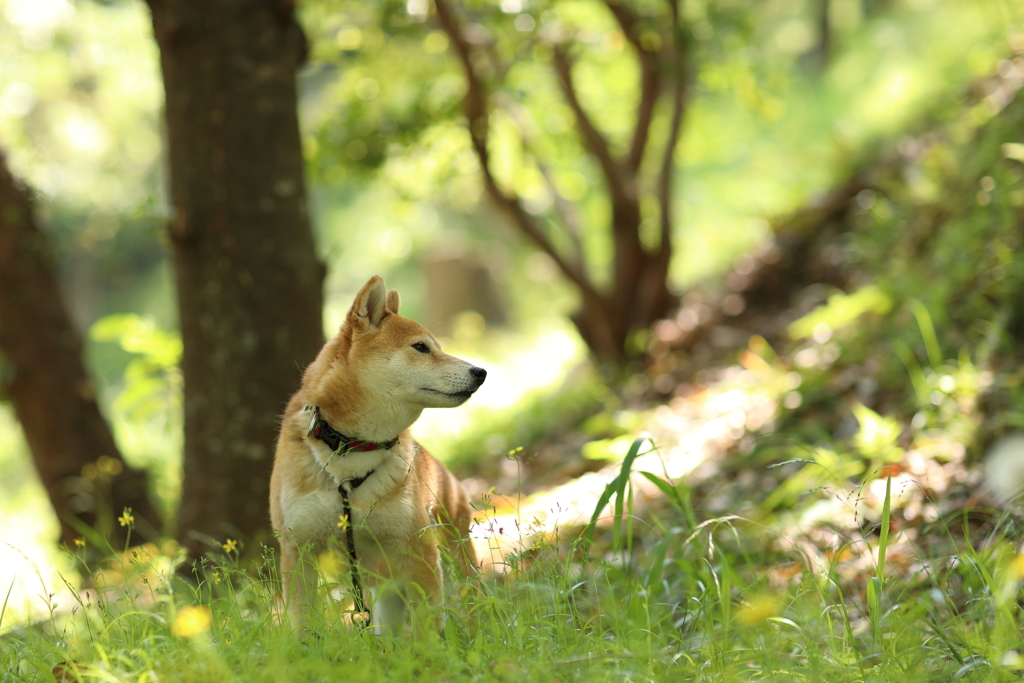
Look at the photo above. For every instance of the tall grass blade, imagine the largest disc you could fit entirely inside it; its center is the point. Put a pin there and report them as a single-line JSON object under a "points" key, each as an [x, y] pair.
{"points": [[883, 536], [7, 597], [678, 495], [617, 487], [906, 356], [876, 584], [931, 340]]}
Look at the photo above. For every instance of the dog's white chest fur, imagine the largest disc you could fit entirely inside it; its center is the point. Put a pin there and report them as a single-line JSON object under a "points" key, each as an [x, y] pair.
{"points": [[315, 516]]}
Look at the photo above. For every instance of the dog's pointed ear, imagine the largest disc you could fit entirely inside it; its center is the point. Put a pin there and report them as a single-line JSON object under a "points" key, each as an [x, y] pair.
{"points": [[370, 305], [393, 301]]}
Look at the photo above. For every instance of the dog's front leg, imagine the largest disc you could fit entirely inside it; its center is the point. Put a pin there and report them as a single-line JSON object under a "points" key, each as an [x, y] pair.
{"points": [[298, 581]]}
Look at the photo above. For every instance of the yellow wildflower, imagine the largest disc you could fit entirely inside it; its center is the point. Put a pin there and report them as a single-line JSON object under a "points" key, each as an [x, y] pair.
{"points": [[230, 545], [1017, 565], [80, 542], [343, 522], [758, 610], [126, 519], [191, 621]]}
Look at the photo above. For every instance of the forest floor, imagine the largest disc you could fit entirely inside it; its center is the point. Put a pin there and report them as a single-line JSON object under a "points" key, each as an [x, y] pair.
{"points": [[686, 438]]}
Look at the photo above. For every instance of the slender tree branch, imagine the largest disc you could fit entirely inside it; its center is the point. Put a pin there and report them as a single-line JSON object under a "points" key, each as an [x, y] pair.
{"points": [[650, 82], [594, 142], [566, 210], [665, 175], [475, 106]]}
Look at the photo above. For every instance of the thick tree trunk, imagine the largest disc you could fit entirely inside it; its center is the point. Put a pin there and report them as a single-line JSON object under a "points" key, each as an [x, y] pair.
{"points": [[606, 321], [248, 279], [42, 373]]}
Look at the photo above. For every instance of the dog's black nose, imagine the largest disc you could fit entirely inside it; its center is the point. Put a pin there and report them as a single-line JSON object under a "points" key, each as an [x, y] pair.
{"points": [[479, 373]]}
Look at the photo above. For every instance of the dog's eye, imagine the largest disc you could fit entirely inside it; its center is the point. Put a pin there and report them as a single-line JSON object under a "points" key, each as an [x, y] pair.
{"points": [[421, 347]]}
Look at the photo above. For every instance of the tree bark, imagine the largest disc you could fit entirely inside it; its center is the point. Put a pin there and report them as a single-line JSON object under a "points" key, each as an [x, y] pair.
{"points": [[42, 373], [248, 279]]}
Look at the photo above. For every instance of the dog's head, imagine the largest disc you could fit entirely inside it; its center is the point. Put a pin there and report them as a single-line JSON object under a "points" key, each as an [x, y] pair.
{"points": [[399, 359]]}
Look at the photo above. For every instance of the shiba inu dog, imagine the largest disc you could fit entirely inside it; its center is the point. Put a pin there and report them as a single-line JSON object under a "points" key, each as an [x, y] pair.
{"points": [[344, 447]]}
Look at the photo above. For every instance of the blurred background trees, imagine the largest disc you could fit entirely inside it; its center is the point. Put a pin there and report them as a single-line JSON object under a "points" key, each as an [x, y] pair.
{"points": [[567, 137], [46, 382]]}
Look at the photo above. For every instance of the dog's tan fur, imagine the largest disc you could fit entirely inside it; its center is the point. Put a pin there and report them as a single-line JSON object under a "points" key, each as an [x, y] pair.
{"points": [[371, 383]]}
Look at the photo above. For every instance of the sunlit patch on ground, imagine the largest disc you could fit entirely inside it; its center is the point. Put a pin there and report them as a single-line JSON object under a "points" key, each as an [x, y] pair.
{"points": [[31, 566], [32, 569], [694, 429]]}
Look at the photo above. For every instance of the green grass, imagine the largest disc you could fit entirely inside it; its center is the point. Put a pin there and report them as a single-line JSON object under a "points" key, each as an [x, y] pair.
{"points": [[663, 598]]}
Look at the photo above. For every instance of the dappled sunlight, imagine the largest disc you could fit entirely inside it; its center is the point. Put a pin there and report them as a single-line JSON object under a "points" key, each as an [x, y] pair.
{"points": [[79, 96], [39, 15], [1004, 468]]}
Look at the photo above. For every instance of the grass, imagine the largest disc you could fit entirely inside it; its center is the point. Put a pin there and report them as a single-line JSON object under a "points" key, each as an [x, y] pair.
{"points": [[660, 598]]}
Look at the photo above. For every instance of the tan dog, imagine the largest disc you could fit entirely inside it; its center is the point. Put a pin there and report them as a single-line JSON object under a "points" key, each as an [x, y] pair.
{"points": [[345, 431]]}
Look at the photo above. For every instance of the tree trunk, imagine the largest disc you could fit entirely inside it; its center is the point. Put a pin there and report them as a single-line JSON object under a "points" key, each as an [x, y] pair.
{"points": [[822, 51], [43, 375], [248, 279]]}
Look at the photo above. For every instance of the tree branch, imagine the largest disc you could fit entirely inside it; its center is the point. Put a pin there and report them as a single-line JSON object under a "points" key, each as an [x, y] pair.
{"points": [[567, 211], [594, 142], [650, 82], [475, 107], [665, 175]]}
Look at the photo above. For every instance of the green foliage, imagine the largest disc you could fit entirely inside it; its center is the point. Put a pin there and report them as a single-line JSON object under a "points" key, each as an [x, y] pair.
{"points": [[951, 321], [81, 127], [876, 439], [607, 449], [152, 381], [389, 153], [80, 100], [842, 310], [147, 410]]}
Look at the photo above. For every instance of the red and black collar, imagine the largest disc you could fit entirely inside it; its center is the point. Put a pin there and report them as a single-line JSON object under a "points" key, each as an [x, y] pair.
{"points": [[338, 442]]}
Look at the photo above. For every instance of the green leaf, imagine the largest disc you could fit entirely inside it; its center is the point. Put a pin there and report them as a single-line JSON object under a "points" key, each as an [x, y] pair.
{"points": [[877, 435], [841, 310]]}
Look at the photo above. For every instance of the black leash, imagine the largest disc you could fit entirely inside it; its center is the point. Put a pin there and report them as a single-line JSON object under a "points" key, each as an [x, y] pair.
{"points": [[341, 444], [350, 541]]}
